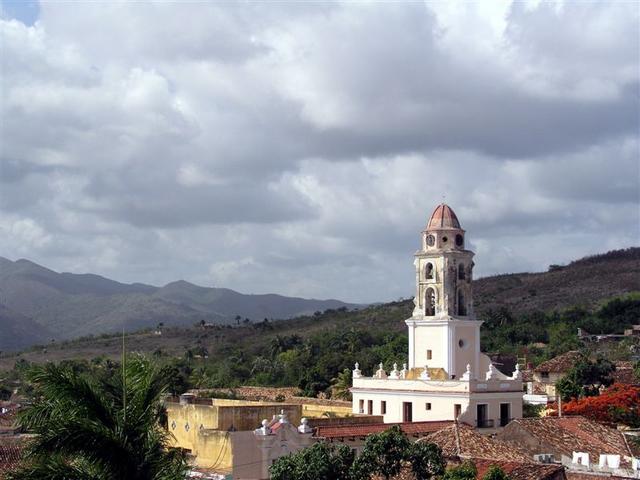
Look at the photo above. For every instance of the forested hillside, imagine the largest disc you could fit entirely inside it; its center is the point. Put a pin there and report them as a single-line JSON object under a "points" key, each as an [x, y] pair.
{"points": [[308, 352]]}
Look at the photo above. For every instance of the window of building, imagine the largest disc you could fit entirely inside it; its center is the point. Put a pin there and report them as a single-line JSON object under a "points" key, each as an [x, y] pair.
{"points": [[544, 375], [457, 410], [431, 240], [461, 272], [482, 416], [427, 406], [407, 412], [430, 302], [459, 240], [429, 354], [361, 406], [505, 414], [370, 407], [428, 271], [462, 306], [383, 407]]}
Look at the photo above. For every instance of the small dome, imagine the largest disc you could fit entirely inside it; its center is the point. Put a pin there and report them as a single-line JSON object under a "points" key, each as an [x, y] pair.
{"points": [[443, 217]]}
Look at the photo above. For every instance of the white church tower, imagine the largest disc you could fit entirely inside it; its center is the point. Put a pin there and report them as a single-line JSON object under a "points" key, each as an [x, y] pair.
{"points": [[443, 331], [446, 376]]}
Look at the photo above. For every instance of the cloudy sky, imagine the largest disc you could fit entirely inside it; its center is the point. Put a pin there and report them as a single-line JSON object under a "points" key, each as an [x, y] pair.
{"points": [[300, 147]]}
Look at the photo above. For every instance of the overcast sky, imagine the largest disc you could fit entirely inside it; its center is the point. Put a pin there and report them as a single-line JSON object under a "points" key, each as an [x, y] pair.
{"points": [[299, 148]]}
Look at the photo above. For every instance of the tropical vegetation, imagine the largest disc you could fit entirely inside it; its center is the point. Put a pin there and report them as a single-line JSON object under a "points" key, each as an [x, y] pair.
{"points": [[619, 403], [385, 454], [108, 427]]}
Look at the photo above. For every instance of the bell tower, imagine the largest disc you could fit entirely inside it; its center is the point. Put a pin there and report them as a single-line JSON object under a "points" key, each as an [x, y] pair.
{"points": [[443, 332]]}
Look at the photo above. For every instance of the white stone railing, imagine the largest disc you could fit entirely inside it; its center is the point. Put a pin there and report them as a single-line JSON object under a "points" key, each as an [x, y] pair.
{"points": [[494, 381]]}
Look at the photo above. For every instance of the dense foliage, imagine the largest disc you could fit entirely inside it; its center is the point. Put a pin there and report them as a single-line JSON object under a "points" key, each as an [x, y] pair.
{"points": [[619, 403], [321, 461], [506, 333], [586, 379], [107, 428], [495, 473], [312, 353], [465, 471], [384, 454]]}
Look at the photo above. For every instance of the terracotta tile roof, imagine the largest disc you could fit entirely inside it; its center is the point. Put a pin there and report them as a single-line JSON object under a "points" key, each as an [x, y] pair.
{"points": [[521, 470], [8, 422], [514, 470], [561, 363], [10, 456], [527, 375], [443, 217], [565, 435], [624, 373], [462, 441], [355, 430], [572, 475]]}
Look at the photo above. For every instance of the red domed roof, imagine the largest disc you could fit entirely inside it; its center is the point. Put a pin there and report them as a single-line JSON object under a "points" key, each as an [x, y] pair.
{"points": [[443, 217]]}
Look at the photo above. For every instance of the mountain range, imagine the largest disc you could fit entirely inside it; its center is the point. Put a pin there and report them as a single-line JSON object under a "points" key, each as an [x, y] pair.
{"points": [[38, 304]]}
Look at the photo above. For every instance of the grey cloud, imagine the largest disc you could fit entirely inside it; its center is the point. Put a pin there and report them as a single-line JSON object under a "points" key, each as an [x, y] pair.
{"points": [[300, 148]]}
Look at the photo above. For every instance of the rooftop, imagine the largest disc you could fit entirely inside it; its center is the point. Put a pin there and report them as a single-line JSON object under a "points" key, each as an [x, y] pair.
{"points": [[462, 441], [9, 457], [561, 363], [409, 428], [520, 470], [565, 435]]}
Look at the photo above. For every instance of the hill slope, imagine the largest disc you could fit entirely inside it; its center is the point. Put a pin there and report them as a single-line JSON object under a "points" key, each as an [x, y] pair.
{"points": [[583, 282], [88, 304], [67, 305], [18, 331]]}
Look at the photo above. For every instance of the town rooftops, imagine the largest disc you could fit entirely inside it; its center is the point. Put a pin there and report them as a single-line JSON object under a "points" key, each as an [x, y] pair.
{"points": [[409, 428], [462, 441], [9, 457], [561, 363], [521, 470], [9, 420], [566, 435], [624, 373]]}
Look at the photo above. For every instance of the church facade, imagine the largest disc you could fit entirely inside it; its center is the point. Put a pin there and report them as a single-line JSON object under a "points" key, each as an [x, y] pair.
{"points": [[446, 376]]}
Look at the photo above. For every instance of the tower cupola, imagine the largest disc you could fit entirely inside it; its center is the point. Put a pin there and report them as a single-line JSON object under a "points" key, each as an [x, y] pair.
{"points": [[443, 230]]}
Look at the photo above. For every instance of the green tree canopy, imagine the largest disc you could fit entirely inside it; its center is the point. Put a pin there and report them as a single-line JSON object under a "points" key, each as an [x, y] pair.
{"points": [[586, 378], [495, 473], [321, 461], [385, 454], [465, 471]]}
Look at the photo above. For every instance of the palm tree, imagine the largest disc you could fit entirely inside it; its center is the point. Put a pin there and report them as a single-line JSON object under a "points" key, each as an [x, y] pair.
{"points": [[102, 429], [341, 384]]}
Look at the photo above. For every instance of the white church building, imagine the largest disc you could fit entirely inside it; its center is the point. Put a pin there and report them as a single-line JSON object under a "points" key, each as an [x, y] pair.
{"points": [[446, 376]]}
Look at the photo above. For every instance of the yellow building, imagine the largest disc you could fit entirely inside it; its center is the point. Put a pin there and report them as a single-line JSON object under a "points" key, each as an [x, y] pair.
{"points": [[220, 433]]}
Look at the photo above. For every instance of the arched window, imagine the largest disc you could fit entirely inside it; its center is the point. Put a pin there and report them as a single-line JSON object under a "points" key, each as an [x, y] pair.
{"points": [[430, 302], [462, 307], [428, 271], [461, 275]]}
